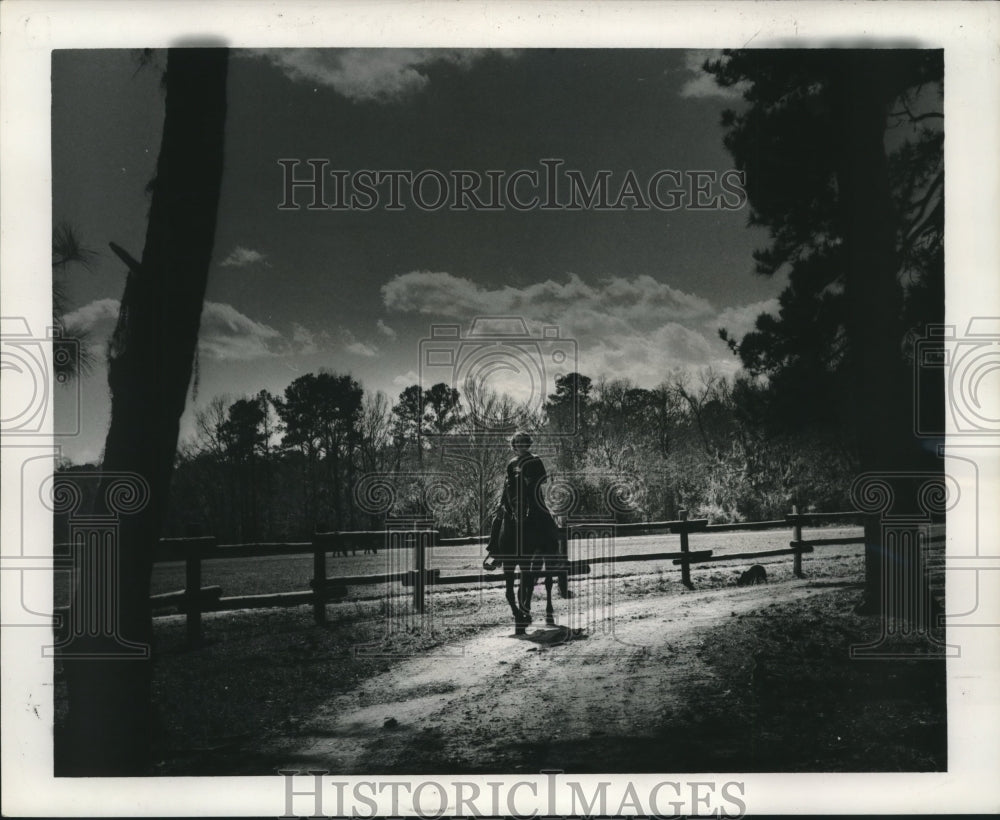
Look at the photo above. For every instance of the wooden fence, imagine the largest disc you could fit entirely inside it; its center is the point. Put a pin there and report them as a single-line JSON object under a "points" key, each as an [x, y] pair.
{"points": [[196, 599]]}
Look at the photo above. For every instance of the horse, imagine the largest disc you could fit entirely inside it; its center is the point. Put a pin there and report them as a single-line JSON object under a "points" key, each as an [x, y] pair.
{"points": [[554, 566], [524, 534]]}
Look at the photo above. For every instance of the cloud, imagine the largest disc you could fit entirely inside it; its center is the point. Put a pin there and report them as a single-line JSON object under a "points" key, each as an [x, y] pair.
{"points": [[613, 304], [240, 257], [361, 349], [90, 315], [228, 335], [649, 359], [225, 334], [700, 84], [385, 330], [358, 348], [304, 341], [639, 327], [381, 75], [408, 378]]}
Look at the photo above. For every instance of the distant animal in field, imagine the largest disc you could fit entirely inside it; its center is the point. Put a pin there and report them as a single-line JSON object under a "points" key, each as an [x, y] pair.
{"points": [[371, 551], [755, 575]]}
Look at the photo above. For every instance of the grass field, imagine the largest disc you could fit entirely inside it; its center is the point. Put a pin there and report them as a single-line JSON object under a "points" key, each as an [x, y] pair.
{"points": [[290, 573], [252, 576]]}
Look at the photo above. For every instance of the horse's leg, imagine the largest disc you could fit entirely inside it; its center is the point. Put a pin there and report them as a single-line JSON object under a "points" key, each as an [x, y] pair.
{"points": [[508, 577], [550, 617], [529, 574], [512, 599]]}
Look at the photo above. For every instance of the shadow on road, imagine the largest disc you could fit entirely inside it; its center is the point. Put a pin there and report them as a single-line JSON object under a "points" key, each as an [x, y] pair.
{"points": [[552, 635]]}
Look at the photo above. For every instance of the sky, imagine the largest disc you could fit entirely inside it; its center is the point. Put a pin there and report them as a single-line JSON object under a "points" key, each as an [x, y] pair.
{"points": [[620, 293]]}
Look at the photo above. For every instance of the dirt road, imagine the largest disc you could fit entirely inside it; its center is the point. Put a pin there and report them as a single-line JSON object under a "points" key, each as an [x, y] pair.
{"points": [[578, 700]]}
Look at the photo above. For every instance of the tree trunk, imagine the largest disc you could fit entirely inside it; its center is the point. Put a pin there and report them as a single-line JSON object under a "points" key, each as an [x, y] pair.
{"points": [[150, 365], [883, 401]]}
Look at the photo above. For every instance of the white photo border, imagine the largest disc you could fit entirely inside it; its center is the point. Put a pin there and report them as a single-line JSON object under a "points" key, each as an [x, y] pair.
{"points": [[967, 32]]}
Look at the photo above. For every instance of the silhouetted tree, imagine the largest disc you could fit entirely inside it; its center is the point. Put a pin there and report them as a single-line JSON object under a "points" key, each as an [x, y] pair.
{"points": [[408, 414], [320, 414], [442, 409], [858, 231], [567, 413], [149, 373], [245, 442]]}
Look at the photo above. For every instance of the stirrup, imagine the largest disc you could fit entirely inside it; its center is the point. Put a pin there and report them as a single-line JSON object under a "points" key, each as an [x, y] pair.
{"points": [[490, 563]]}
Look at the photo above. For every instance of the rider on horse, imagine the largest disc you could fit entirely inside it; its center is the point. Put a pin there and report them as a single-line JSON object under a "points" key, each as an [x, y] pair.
{"points": [[523, 529]]}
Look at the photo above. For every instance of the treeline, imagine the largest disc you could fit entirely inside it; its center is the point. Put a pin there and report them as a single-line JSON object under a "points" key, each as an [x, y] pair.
{"points": [[328, 455]]}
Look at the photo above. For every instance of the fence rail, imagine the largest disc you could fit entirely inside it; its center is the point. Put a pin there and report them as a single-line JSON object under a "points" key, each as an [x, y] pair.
{"points": [[196, 599]]}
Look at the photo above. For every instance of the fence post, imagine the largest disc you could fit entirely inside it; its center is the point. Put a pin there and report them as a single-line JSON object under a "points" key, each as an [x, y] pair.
{"points": [[420, 577], [797, 536], [319, 580], [685, 561], [192, 592]]}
